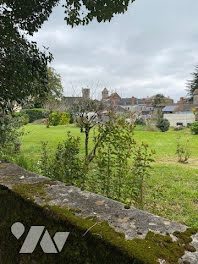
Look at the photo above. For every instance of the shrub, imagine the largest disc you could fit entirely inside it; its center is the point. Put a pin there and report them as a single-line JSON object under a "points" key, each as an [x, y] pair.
{"points": [[24, 117], [140, 170], [114, 177], [10, 133], [58, 118], [113, 155], [64, 118], [35, 113], [140, 122], [183, 151], [194, 128], [54, 118], [163, 124], [65, 164]]}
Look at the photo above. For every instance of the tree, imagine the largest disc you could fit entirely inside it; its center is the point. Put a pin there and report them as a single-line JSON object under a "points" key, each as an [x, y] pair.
{"points": [[192, 85], [21, 62], [86, 112], [158, 100], [54, 90], [113, 154], [82, 12]]}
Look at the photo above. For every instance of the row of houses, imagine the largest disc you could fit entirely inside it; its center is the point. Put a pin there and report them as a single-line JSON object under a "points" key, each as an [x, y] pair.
{"points": [[180, 113]]}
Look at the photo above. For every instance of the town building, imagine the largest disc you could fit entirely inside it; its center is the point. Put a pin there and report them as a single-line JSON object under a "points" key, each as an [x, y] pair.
{"points": [[183, 113], [145, 106], [69, 101]]}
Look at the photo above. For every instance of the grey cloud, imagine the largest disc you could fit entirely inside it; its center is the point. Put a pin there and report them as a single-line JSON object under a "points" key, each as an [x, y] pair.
{"points": [[150, 49]]}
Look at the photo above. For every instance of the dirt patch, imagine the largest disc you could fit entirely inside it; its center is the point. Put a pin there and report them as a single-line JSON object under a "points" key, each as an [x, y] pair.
{"points": [[192, 162]]}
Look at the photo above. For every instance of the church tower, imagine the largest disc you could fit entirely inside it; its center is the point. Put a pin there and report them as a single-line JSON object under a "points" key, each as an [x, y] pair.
{"points": [[105, 94]]}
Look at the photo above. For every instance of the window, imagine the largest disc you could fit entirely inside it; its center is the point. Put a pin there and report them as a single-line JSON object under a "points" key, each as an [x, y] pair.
{"points": [[179, 124]]}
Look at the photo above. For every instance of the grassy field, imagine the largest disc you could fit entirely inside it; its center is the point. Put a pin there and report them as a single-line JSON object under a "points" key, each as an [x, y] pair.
{"points": [[172, 189]]}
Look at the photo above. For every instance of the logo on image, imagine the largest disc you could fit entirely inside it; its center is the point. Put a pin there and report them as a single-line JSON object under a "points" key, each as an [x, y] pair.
{"points": [[34, 235]]}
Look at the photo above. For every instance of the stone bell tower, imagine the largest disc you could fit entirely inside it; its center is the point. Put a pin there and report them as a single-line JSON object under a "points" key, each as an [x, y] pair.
{"points": [[105, 94]]}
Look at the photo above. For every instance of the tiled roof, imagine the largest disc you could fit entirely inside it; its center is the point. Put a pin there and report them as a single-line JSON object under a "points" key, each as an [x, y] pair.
{"points": [[169, 108], [185, 107], [125, 101]]}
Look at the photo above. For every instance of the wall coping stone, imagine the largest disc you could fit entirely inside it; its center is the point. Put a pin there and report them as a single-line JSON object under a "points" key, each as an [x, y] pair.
{"points": [[134, 223]]}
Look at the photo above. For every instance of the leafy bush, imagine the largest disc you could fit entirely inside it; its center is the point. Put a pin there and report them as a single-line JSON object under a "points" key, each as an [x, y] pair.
{"points": [[58, 118], [113, 155], [24, 117], [64, 118], [114, 177], [140, 170], [140, 122], [65, 164], [183, 151], [163, 124], [35, 113], [54, 118], [10, 133], [194, 128]]}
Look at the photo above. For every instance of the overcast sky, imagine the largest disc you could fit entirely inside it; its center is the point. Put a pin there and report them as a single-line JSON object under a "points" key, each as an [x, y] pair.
{"points": [[150, 49]]}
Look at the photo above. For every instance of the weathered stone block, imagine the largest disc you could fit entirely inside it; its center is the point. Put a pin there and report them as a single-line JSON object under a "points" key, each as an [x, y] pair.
{"points": [[101, 230]]}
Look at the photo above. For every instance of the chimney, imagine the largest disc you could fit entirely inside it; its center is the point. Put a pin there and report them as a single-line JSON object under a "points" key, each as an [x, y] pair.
{"points": [[133, 100], [181, 101]]}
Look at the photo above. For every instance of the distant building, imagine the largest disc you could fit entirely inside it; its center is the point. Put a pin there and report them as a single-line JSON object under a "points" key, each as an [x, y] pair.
{"points": [[86, 94], [180, 118], [165, 101], [195, 97], [169, 109], [69, 101], [182, 113], [133, 104], [105, 94], [183, 100]]}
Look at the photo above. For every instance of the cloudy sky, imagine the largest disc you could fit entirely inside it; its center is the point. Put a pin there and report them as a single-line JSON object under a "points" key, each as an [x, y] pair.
{"points": [[150, 49]]}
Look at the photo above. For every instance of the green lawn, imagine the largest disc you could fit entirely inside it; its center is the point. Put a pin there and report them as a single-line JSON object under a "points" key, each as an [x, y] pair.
{"points": [[172, 189]]}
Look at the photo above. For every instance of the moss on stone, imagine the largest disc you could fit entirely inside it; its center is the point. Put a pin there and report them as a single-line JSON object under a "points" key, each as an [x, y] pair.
{"points": [[3, 166], [90, 241], [185, 237], [148, 250], [30, 191], [127, 206], [73, 210]]}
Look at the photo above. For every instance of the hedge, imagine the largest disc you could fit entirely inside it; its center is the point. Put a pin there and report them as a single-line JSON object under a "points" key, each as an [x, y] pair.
{"points": [[36, 113]]}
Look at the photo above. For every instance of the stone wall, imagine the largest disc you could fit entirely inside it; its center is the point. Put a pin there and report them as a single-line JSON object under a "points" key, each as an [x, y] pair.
{"points": [[101, 230], [185, 119]]}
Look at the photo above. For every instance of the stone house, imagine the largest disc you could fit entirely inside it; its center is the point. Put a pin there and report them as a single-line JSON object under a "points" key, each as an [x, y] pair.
{"points": [[69, 101]]}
